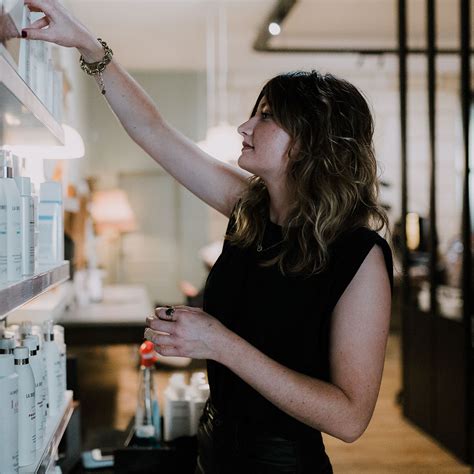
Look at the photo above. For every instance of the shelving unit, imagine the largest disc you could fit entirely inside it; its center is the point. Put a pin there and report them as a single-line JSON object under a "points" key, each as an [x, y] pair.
{"points": [[55, 429], [25, 120], [14, 295]]}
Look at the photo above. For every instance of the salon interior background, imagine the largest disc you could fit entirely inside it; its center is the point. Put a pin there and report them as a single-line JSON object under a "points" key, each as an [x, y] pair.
{"points": [[163, 44]]}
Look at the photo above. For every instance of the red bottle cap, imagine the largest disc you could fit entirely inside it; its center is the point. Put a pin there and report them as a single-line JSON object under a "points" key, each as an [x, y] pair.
{"points": [[148, 354]]}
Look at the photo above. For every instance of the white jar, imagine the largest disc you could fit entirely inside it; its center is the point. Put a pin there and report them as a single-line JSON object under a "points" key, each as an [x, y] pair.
{"points": [[26, 407], [8, 415]]}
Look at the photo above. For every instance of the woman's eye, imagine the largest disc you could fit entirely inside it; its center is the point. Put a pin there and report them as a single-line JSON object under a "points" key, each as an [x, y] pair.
{"points": [[266, 115]]}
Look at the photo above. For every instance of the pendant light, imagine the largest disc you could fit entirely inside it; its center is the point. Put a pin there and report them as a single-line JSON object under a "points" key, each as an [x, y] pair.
{"points": [[222, 139]]}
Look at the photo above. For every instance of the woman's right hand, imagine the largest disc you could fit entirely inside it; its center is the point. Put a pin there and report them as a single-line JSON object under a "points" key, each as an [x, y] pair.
{"points": [[60, 27]]}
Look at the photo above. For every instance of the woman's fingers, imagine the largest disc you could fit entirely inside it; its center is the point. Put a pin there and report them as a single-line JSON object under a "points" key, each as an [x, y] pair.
{"points": [[46, 6], [37, 34], [41, 23], [158, 339], [160, 325]]}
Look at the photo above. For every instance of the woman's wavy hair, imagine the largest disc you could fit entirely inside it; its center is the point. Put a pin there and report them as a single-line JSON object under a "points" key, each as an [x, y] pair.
{"points": [[331, 171]]}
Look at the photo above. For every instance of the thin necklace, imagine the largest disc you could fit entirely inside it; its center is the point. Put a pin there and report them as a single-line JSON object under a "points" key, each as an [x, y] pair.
{"points": [[259, 246]]}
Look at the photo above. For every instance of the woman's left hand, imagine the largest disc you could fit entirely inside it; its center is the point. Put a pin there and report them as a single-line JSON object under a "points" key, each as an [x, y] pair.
{"points": [[190, 332]]}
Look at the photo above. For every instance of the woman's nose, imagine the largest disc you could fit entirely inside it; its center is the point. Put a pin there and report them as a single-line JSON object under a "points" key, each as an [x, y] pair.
{"points": [[246, 128]]}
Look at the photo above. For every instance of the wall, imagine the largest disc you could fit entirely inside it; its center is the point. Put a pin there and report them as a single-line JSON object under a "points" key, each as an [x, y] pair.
{"points": [[172, 223]]}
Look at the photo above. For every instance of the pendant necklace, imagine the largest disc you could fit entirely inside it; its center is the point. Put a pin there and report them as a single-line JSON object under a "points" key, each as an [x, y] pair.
{"points": [[259, 246]]}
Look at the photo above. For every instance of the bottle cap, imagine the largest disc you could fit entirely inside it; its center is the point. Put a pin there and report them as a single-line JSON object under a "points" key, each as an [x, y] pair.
{"points": [[59, 333], [48, 330], [21, 353], [26, 328], [32, 342], [23, 183], [7, 366], [6, 170], [148, 354]]}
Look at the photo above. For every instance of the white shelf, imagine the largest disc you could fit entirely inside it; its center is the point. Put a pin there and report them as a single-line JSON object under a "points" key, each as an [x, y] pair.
{"points": [[24, 117], [14, 295], [55, 428]]}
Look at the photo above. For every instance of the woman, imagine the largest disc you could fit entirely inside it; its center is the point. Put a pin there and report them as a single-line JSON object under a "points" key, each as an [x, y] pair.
{"points": [[297, 307]]}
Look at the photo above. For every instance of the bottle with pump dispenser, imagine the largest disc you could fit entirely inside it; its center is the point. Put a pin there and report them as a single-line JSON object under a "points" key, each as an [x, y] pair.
{"points": [[177, 408], [12, 197], [147, 415], [8, 415], [38, 372], [53, 368], [27, 212], [26, 407]]}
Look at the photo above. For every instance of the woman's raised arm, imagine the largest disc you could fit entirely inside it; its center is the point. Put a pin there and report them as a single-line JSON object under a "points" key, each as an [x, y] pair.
{"points": [[214, 182]]}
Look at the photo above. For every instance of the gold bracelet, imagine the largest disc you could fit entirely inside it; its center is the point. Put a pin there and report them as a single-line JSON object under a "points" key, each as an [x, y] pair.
{"points": [[96, 69]]}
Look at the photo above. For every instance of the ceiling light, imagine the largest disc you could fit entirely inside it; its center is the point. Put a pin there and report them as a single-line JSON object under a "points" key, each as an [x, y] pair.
{"points": [[274, 29]]}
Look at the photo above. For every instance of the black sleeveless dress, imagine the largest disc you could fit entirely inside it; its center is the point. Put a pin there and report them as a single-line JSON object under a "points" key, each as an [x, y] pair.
{"points": [[288, 319]]}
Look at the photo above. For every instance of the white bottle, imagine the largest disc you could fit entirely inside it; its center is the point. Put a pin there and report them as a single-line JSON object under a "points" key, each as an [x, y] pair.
{"points": [[24, 68], [198, 394], [37, 366], [53, 368], [13, 217], [177, 409], [8, 415], [3, 235], [37, 330], [27, 225], [26, 407], [50, 221], [59, 339]]}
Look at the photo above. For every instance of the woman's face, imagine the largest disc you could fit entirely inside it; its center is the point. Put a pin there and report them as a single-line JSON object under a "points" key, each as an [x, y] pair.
{"points": [[265, 144]]}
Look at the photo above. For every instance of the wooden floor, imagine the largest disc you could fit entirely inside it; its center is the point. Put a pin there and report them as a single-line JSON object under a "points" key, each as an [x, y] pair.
{"points": [[390, 444]]}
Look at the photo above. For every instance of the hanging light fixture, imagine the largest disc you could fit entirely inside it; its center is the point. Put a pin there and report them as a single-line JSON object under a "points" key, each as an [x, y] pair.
{"points": [[222, 139]]}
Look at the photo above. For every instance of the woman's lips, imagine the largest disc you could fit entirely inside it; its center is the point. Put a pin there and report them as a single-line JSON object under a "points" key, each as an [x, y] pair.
{"points": [[247, 147]]}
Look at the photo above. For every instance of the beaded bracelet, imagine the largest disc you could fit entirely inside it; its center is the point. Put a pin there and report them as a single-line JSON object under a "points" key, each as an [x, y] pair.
{"points": [[96, 69]]}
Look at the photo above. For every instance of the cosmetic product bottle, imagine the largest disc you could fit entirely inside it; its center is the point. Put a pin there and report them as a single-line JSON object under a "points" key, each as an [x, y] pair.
{"points": [[38, 372], [27, 226], [177, 409], [3, 235], [50, 218], [147, 414], [59, 339], [13, 217], [53, 368], [198, 393], [8, 415], [37, 330], [24, 68], [26, 407]]}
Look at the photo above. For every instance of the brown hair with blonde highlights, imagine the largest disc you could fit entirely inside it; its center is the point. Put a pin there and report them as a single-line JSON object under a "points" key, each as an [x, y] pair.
{"points": [[331, 170]]}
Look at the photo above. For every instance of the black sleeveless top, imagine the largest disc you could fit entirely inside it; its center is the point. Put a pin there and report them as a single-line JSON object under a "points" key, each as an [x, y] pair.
{"points": [[285, 317]]}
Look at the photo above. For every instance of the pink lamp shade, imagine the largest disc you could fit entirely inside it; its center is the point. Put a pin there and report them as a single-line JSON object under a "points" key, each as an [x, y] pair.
{"points": [[111, 212]]}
